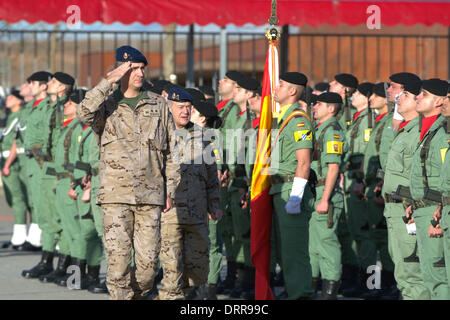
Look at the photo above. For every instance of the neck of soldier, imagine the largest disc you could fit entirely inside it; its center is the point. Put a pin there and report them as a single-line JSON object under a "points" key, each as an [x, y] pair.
{"points": [[408, 116], [15, 108], [41, 95], [325, 118], [361, 108], [28, 98], [129, 91], [227, 96], [70, 116], [430, 113], [54, 97], [243, 106], [383, 110]]}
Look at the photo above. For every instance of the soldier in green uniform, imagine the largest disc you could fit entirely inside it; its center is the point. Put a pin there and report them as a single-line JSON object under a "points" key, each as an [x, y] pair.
{"points": [[226, 109], [345, 85], [324, 246], [424, 178], [375, 202], [398, 165], [292, 195], [357, 137], [13, 183], [443, 213]]}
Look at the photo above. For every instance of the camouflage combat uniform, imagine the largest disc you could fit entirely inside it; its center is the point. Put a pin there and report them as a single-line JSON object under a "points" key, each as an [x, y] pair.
{"points": [[137, 173]]}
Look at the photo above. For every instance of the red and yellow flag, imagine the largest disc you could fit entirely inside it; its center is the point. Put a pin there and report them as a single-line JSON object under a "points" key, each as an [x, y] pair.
{"points": [[261, 203]]}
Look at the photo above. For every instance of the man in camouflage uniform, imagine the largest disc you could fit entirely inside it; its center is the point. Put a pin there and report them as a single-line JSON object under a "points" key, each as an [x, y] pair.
{"points": [[184, 229], [402, 245], [424, 177], [139, 171]]}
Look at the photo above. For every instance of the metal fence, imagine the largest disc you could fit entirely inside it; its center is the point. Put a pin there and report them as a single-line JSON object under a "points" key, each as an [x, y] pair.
{"points": [[195, 57]]}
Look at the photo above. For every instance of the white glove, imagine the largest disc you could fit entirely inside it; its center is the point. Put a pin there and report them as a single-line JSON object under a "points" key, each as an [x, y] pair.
{"points": [[298, 187], [397, 116], [411, 228]]}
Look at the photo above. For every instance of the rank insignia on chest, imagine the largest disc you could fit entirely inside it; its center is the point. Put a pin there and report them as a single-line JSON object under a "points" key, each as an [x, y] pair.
{"points": [[443, 152], [79, 139], [334, 147], [303, 135], [367, 135], [151, 112]]}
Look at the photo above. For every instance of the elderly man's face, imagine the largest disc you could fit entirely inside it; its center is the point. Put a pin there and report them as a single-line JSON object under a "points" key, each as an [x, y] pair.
{"points": [[181, 112]]}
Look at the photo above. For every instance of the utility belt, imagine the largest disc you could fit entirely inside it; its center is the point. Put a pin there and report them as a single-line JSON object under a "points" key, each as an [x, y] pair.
{"points": [[423, 203], [6, 153], [388, 198], [289, 178], [64, 175]]}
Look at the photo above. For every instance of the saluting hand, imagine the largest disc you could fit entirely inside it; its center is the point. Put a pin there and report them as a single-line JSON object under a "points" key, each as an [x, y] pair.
{"points": [[117, 74]]}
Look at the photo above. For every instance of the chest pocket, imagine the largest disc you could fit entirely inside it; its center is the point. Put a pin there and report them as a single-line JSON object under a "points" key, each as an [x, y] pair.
{"points": [[434, 163], [396, 157], [157, 135]]}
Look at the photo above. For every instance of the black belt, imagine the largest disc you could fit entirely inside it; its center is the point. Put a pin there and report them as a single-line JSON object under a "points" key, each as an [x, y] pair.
{"points": [[423, 203], [276, 178], [445, 201], [390, 199]]}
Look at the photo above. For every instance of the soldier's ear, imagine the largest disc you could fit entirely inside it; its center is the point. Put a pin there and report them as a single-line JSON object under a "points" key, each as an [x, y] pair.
{"points": [[439, 102]]}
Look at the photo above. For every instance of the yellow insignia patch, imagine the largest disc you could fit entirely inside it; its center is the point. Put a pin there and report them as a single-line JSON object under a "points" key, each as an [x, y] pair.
{"points": [[443, 152], [303, 135], [125, 55], [79, 139], [335, 147], [367, 135]]}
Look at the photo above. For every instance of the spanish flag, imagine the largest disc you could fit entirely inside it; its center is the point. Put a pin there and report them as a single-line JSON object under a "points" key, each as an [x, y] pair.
{"points": [[261, 203]]}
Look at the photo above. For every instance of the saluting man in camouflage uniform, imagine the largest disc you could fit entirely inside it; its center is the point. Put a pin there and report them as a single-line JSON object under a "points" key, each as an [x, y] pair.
{"points": [[184, 229], [424, 178], [292, 195], [324, 246], [139, 171]]}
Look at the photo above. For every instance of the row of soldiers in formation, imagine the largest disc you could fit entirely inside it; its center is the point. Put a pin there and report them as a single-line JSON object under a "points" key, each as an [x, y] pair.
{"points": [[343, 181]]}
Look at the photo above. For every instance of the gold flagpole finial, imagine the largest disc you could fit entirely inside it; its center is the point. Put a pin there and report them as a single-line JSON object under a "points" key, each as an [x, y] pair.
{"points": [[273, 34]]}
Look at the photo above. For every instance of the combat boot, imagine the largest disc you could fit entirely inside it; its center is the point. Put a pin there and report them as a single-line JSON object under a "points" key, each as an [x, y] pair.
{"points": [[62, 281], [99, 288], [60, 271], [240, 281], [249, 284], [315, 286], [211, 292], [357, 291], [91, 278], [330, 289], [227, 285], [349, 278], [45, 266]]}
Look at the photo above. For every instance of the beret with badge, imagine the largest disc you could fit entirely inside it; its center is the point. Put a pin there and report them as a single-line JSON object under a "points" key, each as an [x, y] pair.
{"points": [[178, 94], [294, 78], [436, 86], [329, 97], [128, 53], [347, 80]]}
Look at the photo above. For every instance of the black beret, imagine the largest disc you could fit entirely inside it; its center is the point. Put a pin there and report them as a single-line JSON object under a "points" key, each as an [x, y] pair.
{"points": [[366, 88], [207, 90], [329, 97], [169, 86], [378, 89], [294, 78], [322, 86], [436, 86], [347, 80], [42, 76], [64, 78], [16, 93], [413, 85], [128, 53], [247, 83], [234, 75], [314, 98], [157, 86], [197, 95], [206, 109], [403, 77], [178, 94], [78, 95]]}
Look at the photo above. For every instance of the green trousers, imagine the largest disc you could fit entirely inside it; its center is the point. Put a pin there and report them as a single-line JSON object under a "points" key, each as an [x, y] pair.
{"points": [[401, 245], [357, 220], [215, 252], [34, 177], [445, 223], [431, 250], [49, 218], [225, 227], [324, 246], [15, 192], [293, 231], [241, 228]]}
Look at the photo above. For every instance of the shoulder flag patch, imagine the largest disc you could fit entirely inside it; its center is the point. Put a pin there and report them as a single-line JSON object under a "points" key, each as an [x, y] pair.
{"points": [[300, 124], [336, 136]]}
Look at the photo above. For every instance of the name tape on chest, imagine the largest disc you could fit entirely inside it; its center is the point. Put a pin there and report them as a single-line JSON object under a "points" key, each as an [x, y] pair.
{"points": [[151, 112]]}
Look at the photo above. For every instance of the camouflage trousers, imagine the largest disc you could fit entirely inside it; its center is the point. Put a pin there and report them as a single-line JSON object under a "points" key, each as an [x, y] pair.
{"points": [[126, 227], [184, 257]]}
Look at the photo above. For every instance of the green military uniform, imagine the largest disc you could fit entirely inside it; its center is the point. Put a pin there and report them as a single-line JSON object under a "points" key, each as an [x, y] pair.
{"points": [[445, 217], [357, 137], [324, 246], [88, 223], [14, 183], [425, 174], [387, 136], [377, 222], [341, 118], [401, 244], [292, 229]]}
